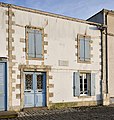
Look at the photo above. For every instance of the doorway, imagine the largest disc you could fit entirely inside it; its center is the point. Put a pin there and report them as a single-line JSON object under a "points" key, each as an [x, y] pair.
{"points": [[35, 89]]}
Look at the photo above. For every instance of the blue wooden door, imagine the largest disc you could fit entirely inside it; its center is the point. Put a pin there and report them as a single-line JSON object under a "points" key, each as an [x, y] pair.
{"points": [[40, 89], [29, 90], [3, 86], [35, 89]]}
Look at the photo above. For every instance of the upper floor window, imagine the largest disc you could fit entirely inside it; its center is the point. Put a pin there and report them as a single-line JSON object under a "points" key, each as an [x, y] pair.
{"points": [[34, 43], [83, 48]]}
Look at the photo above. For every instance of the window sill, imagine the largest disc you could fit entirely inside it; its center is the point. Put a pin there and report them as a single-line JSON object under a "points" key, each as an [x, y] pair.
{"points": [[86, 62], [30, 58], [84, 96]]}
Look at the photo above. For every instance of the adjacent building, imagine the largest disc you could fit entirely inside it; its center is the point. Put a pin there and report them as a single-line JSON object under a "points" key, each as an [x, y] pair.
{"points": [[106, 18], [48, 60]]}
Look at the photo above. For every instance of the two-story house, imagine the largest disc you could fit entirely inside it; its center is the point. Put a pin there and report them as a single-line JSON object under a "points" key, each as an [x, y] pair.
{"points": [[48, 60]]}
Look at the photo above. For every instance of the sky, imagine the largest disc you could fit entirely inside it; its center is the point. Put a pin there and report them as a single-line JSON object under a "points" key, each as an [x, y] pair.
{"points": [[81, 9]]}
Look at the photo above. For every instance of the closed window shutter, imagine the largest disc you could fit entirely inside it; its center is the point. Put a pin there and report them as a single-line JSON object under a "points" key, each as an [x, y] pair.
{"points": [[31, 47], [38, 41], [81, 49], [92, 84], [89, 83], [87, 49], [76, 84]]}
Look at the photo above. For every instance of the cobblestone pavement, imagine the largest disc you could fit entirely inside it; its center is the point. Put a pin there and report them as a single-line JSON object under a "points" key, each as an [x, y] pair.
{"points": [[82, 113]]}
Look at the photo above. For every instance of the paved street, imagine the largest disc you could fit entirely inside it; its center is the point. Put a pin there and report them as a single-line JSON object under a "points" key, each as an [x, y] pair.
{"points": [[82, 113]]}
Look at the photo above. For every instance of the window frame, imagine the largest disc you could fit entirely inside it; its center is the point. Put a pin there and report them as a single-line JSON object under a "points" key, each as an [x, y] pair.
{"points": [[88, 82], [78, 48], [27, 42], [25, 86], [39, 82], [91, 88]]}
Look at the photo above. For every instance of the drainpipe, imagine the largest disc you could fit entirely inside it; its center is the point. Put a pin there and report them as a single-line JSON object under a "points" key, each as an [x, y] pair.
{"points": [[101, 28], [106, 96], [104, 67], [106, 46]]}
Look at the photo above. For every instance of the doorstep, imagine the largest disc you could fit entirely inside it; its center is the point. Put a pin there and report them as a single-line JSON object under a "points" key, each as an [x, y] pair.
{"points": [[34, 108], [8, 114]]}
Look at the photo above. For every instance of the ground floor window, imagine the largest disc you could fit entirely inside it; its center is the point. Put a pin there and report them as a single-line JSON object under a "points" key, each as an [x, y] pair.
{"points": [[83, 84]]}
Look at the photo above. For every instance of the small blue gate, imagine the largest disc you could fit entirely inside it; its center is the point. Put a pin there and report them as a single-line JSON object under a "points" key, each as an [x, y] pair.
{"points": [[35, 89], [3, 87]]}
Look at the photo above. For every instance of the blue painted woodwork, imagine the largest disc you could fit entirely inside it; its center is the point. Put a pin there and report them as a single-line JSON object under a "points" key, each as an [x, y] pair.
{"points": [[35, 94], [3, 87]]}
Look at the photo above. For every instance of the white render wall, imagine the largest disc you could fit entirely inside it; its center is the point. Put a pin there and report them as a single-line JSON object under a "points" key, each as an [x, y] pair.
{"points": [[62, 39], [4, 40], [3, 34]]}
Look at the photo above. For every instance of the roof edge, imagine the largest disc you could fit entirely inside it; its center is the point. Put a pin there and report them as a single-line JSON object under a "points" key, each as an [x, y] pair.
{"points": [[104, 11], [109, 11], [96, 14], [48, 13]]}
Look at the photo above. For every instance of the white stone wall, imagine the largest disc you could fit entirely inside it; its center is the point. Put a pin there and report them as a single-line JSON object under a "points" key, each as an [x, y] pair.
{"points": [[62, 39], [3, 33], [4, 40]]}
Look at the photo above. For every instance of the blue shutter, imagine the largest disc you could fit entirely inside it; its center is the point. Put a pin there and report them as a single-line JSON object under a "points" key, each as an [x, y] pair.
{"points": [[31, 47], [76, 84], [2, 86], [38, 38], [89, 83], [87, 49], [81, 49], [92, 84]]}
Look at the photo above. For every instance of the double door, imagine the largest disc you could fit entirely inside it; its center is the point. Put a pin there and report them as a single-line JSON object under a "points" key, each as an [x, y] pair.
{"points": [[35, 89]]}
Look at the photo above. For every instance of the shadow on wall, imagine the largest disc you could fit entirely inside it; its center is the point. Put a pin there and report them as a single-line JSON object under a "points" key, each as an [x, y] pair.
{"points": [[93, 28], [98, 97]]}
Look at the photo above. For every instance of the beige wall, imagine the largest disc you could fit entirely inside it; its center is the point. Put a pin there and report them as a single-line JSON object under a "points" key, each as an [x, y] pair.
{"points": [[110, 23], [111, 64], [110, 30]]}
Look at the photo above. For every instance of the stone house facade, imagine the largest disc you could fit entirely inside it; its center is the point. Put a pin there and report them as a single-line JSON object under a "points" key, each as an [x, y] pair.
{"points": [[48, 60]]}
